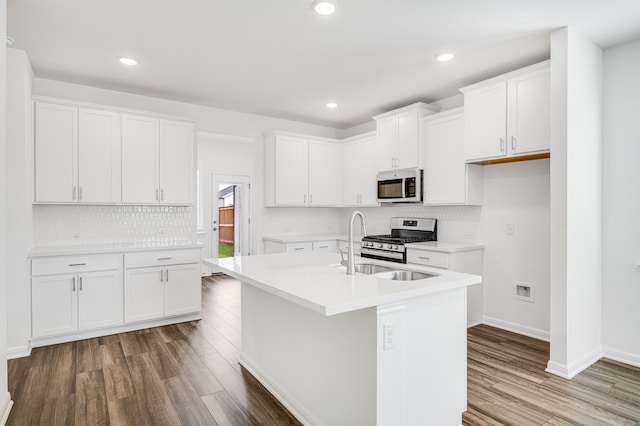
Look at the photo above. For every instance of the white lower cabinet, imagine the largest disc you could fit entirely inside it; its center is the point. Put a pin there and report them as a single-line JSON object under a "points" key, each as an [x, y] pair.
{"points": [[67, 302], [458, 260], [153, 292]]}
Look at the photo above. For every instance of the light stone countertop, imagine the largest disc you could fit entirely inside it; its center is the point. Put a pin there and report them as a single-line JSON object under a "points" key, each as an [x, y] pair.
{"points": [[297, 238], [109, 248], [316, 281]]}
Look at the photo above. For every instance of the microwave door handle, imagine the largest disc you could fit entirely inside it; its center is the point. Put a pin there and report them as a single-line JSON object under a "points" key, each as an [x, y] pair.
{"points": [[404, 188]]}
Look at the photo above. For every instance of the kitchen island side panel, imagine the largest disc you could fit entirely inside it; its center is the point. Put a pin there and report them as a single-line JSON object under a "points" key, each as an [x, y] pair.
{"points": [[323, 369]]}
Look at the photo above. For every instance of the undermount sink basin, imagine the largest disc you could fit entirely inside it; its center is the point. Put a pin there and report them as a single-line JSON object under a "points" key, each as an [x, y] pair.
{"points": [[371, 268], [405, 275]]}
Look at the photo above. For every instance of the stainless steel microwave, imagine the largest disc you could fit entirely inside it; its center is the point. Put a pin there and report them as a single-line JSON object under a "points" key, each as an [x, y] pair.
{"points": [[400, 186]]}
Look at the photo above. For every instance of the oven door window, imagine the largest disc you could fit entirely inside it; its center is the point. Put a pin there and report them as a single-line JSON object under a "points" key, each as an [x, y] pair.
{"points": [[392, 188]]}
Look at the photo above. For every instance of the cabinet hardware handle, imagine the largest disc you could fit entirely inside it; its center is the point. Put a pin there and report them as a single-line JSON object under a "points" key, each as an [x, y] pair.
{"points": [[73, 193], [299, 248], [513, 143], [164, 258], [425, 258], [77, 264], [80, 283], [310, 198], [79, 193], [501, 145], [161, 275], [157, 195], [73, 288], [166, 275], [305, 198], [162, 195], [324, 246]]}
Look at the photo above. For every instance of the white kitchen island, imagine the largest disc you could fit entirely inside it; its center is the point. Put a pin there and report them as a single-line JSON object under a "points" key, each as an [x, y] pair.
{"points": [[360, 349]]}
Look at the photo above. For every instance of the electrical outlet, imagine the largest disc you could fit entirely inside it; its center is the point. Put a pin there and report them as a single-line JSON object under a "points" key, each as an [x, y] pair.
{"points": [[510, 229], [523, 291], [76, 236], [389, 332]]}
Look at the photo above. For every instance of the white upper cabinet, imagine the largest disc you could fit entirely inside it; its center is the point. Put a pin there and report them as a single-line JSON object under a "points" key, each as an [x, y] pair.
{"points": [[98, 156], [77, 155], [447, 178], [301, 172], [399, 135], [508, 116], [56, 153], [359, 168], [324, 172], [140, 159], [177, 169], [157, 161]]}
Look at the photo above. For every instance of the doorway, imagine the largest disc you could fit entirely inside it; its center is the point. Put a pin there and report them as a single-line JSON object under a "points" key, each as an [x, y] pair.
{"points": [[230, 220]]}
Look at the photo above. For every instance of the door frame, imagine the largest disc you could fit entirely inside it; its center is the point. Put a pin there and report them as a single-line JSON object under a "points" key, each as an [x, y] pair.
{"points": [[245, 214]]}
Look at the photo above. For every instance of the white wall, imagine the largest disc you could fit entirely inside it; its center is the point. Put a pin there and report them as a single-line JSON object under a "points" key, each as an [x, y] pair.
{"points": [[5, 398], [621, 204], [576, 202], [517, 194], [19, 192]]}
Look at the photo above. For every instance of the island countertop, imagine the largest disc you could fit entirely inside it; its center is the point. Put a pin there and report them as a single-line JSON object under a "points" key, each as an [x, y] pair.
{"points": [[316, 281]]}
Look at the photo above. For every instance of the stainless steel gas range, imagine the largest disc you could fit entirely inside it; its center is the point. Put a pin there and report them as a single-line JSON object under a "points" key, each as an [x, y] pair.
{"points": [[404, 230]]}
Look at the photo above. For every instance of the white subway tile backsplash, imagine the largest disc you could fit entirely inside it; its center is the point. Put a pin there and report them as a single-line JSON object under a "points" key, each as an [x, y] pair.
{"points": [[60, 225]]}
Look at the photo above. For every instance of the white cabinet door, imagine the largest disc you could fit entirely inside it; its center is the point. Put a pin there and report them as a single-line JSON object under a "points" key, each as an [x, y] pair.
{"points": [[359, 172], [445, 168], [485, 125], [386, 133], [291, 171], [54, 304], [140, 162], [143, 294], [56, 145], [100, 299], [176, 162], [407, 142], [529, 100], [98, 156], [182, 289], [325, 246], [323, 173]]}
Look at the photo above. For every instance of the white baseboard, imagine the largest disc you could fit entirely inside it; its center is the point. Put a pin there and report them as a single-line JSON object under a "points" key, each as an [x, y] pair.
{"points": [[18, 351], [294, 406], [474, 324], [5, 408], [576, 367], [625, 357], [517, 328]]}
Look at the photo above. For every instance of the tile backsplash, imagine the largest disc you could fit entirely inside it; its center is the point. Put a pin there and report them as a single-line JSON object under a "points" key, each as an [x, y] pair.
{"points": [[60, 225]]}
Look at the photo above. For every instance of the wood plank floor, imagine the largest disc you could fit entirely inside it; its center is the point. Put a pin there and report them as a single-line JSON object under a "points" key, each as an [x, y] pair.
{"points": [[188, 374]]}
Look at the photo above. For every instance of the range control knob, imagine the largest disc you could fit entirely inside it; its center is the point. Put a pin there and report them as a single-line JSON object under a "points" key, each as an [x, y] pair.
{"points": [[395, 247], [390, 246], [379, 245]]}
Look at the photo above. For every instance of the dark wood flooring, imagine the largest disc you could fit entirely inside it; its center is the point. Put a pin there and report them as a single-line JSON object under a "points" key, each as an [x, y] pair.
{"points": [[188, 374]]}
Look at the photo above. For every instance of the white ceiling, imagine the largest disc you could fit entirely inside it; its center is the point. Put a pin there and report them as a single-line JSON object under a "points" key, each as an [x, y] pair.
{"points": [[279, 58]]}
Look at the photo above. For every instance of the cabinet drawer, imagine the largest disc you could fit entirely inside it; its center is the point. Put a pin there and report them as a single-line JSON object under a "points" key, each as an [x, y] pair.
{"points": [[428, 258], [295, 247], [330, 245], [73, 264], [143, 259]]}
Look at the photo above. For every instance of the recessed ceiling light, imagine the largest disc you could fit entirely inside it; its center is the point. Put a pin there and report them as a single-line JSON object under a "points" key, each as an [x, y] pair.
{"points": [[332, 105], [444, 57], [127, 61], [323, 7]]}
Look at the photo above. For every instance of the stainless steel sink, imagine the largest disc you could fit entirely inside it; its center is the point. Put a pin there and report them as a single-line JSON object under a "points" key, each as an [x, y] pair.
{"points": [[405, 275], [371, 268]]}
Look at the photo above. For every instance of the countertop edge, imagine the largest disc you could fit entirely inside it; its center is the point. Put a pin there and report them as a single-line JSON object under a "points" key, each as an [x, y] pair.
{"points": [[85, 250], [454, 248]]}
